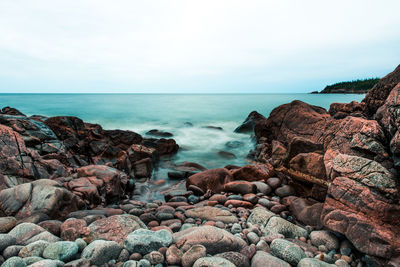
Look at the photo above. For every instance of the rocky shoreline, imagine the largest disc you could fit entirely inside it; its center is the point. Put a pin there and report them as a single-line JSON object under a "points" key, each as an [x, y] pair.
{"points": [[323, 190]]}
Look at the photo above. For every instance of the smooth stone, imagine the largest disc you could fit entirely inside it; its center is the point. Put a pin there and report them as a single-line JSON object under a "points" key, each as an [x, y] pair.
{"points": [[14, 262], [144, 241], [32, 260], [81, 244], [173, 255], [33, 249], [26, 233], [310, 262], [260, 216], [274, 182], [263, 188], [287, 251], [62, 250], [7, 223], [100, 251], [253, 238], [130, 263], [326, 238], [47, 263], [261, 258], [78, 263], [192, 255], [285, 191], [236, 228], [154, 257], [238, 259], [277, 225], [6, 240], [11, 251], [211, 214], [144, 263], [213, 262]]}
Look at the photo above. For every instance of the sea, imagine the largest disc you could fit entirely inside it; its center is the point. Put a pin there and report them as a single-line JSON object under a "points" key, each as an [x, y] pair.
{"points": [[186, 116]]}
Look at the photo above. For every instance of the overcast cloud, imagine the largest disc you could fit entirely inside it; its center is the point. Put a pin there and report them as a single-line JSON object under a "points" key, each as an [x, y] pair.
{"points": [[169, 46]]}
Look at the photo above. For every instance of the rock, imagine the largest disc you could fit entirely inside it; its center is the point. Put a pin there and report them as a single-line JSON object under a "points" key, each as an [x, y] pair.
{"points": [[234, 144], [14, 262], [306, 211], [144, 241], [253, 238], [213, 179], [251, 173], [173, 255], [7, 223], [240, 187], [236, 228], [285, 191], [274, 182], [52, 226], [248, 125], [309, 262], [159, 133], [287, 251], [130, 263], [263, 188], [100, 251], [238, 203], [326, 238], [115, 228], [214, 239], [213, 262], [261, 257], [72, 228], [277, 225], [11, 251], [226, 154], [238, 259], [26, 233], [6, 240], [81, 244], [260, 216], [34, 249], [62, 250], [211, 214], [192, 255], [47, 263], [41, 196], [154, 257], [78, 263], [309, 163]]}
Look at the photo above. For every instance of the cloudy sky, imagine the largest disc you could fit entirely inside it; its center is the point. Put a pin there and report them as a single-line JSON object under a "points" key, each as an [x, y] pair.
{"points": [[170, 46]]}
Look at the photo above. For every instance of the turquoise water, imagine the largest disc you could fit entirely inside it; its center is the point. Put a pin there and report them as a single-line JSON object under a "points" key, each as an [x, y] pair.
{"points": [[142, 112]]}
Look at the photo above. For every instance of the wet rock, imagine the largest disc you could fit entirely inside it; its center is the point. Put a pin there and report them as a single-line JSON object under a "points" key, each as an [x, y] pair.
{"points": [[159, 133], [240, 187], [100, 251], [211, 214], [256, 172], [309, 163], [261, 257], [234, 144], [263, 188], [62, 250], [192, 255], [115, 228], [144, 241], [287, 251], [285, 191], [213, 179], [248, 125], [306, 211], [274, 182], [277, 225], [309, 262], [215, 240], [213, 262]]}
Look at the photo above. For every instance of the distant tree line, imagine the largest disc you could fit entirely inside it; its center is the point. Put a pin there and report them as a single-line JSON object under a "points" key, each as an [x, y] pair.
{"points": [[355, 86]]}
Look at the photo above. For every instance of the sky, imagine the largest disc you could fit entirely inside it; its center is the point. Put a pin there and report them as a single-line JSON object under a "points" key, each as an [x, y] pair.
{"points": [[187, 46]]}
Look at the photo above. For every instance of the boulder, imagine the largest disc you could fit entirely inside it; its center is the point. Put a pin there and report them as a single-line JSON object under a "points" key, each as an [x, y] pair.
{"points": [[62, 250], [306, 211], [100, 252], [261, 258], [287, 251], [213, 179], [256, 172], [211, 214], [6, 240], [144, 241], [214, 239], [248, 125], [115, 228], [26, 233], [7, 223], [240, 187], [326, 238], [34, 249], [72, 229], [309, 163], [260, 216], [192, 255], [41, 196]]}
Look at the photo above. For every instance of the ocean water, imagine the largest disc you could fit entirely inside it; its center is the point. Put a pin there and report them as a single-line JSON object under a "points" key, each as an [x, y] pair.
{"points": [[172, 112]]}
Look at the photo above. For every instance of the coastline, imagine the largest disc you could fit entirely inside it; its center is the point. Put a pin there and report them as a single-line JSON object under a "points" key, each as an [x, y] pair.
{"points": [[307, 191]]}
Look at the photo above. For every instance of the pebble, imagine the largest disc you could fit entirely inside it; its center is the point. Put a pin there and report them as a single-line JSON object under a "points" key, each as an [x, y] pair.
{"points": [[287, 251], [14, 262], [7, 223], [193, 254], [6, 240], [236, 228], [253, 238], [154, 257]]}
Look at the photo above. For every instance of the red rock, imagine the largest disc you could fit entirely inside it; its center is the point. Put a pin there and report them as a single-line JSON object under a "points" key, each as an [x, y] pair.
{"points": [[210, 223], [218, 197], [306, 211], [157, 228], [256, 172], [153, 224], [309, 163], [278, 208], [213, 179], [212, 203], [72, 229], [240, 187], [53, 226], [274, 182], [238, 203]]}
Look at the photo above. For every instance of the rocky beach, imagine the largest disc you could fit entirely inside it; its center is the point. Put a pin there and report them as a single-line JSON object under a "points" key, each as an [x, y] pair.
{"points": [[321, 188]]}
